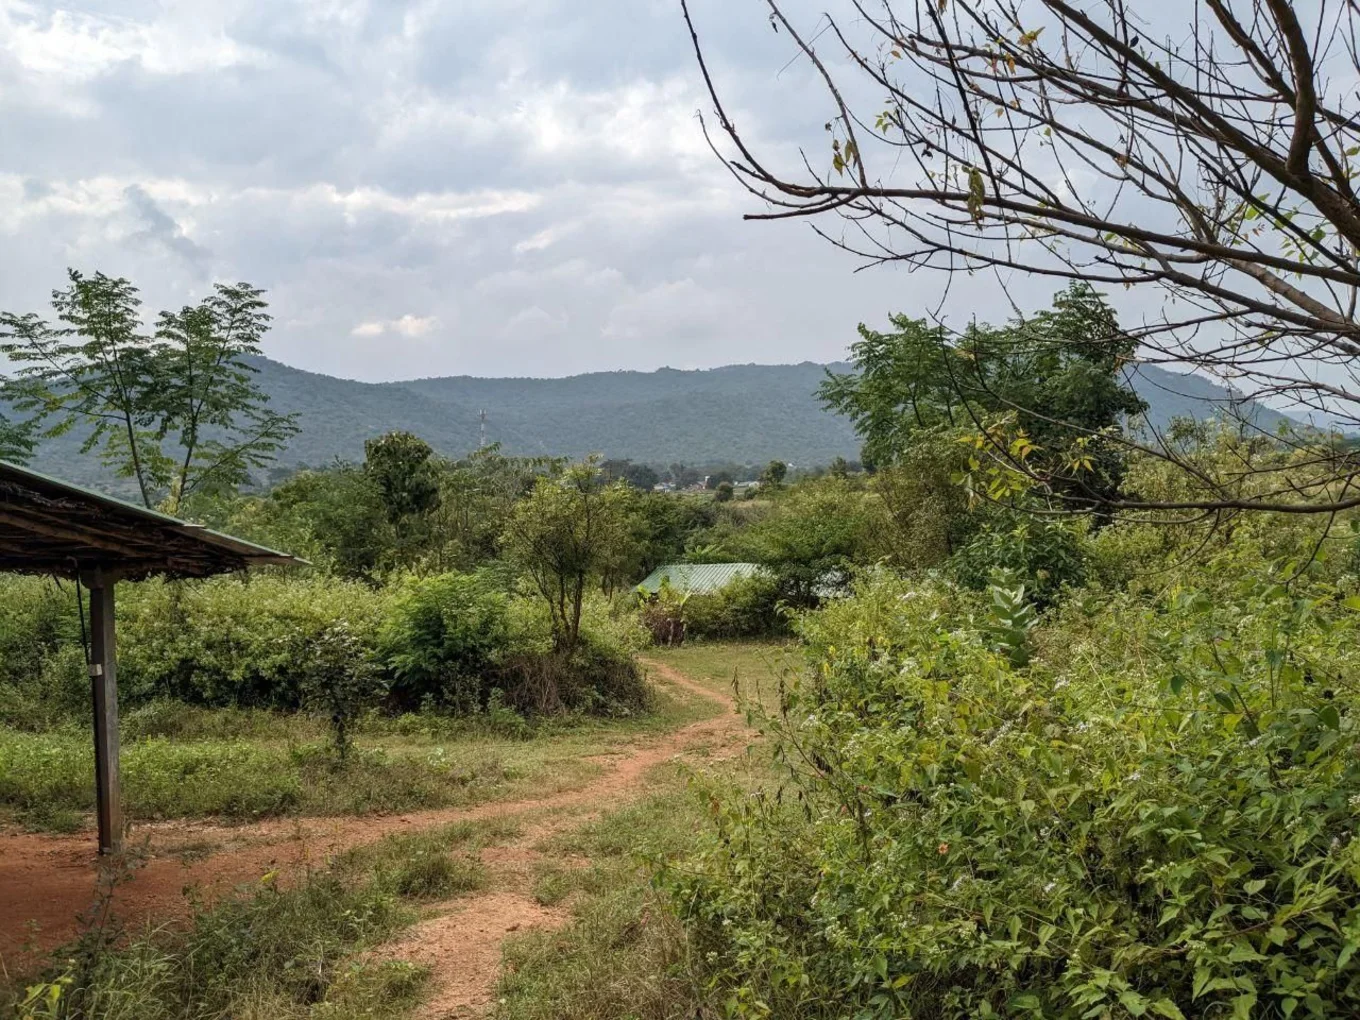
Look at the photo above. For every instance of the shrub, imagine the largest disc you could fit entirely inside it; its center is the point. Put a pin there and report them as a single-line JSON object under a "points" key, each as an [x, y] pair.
{"points": [[598, 678], [443, 640], [1156, 818], [340, 679], [1040, 554], [37, 617], [228, 641], [747, 607]]}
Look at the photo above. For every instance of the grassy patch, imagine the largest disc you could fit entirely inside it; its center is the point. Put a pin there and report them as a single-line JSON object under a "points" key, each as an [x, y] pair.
{"points": [[624, 955], [433, 864], [755, 668], [438, 876], [181, 762], [270, 955]]}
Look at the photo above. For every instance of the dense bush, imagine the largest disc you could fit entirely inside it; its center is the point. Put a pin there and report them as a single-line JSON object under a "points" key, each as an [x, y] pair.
{"points": [[1156, 818], [1043, 555], [443, 640], [598, 676], [228, 641], [747, 607]]}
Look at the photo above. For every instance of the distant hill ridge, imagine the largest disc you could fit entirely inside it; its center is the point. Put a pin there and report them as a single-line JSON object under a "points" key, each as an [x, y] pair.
{"points": [[743, 413]]}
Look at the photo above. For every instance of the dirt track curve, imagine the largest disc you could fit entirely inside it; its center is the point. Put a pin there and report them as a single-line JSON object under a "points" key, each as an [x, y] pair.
{"points": [[47, 881]]}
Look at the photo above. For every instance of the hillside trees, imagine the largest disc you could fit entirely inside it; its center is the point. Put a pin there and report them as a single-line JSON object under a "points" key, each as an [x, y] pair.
{"points": [[97, 371], [1205, 159]]}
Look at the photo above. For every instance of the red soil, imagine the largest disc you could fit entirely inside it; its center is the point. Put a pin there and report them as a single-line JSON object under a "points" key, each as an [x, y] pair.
{"points": [[46, 881]]}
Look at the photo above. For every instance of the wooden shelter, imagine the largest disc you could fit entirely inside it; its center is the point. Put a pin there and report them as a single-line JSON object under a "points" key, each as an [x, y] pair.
{"points": [[52, 527]]}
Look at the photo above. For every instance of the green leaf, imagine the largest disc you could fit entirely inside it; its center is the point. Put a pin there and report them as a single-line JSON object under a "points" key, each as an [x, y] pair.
{"points": [[1330, 717]]}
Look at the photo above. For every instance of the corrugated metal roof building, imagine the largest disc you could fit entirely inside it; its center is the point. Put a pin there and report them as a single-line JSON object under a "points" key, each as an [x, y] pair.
{"points": [[699, 578]]}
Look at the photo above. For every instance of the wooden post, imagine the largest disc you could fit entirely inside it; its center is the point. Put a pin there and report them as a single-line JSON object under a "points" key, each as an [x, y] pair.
{"points": [[104, 687]]}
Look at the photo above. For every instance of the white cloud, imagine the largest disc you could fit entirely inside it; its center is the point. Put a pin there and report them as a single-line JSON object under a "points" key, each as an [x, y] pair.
{"points": [[407, 325], [187, 37], [539, 241], [413, 325]]}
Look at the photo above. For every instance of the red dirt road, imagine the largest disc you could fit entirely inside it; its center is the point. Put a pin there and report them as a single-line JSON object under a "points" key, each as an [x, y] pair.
{"points": [[46, 881]]}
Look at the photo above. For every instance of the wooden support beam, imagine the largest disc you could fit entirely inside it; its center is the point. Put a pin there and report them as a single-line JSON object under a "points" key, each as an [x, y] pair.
{"points": [[104, 688], [65, 534]]}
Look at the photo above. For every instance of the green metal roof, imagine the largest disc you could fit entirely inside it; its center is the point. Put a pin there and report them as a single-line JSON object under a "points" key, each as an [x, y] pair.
{"points": [[699, 578]]}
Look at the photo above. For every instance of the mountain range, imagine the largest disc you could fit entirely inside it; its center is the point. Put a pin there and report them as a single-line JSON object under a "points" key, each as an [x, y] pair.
{"points": [[741, 413]]}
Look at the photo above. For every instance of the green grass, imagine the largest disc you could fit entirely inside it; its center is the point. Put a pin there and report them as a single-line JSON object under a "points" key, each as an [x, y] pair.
{"points": [[755, 667], [182, 762], [623, 957]]}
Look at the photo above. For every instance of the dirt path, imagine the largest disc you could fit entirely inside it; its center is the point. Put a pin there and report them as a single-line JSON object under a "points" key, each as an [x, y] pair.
{"points": [[461, 942], [46, 881]]}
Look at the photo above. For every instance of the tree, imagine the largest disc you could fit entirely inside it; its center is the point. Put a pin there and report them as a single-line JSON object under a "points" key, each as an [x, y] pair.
{"points": [[817, 531], [98, 370], [1052, 381], [225, 428], [639, 476], [774, 473], [16, 441], [400, 465], [339, 511], [723, 493], [476, 495], [1212, 159], [566, 532]]}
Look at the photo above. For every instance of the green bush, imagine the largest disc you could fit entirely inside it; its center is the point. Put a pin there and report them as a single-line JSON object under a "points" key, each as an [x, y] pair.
{"points": [[1156, 818], [446, 642], [238, 642], [1042, 555], [747, 607], [443, 640]]}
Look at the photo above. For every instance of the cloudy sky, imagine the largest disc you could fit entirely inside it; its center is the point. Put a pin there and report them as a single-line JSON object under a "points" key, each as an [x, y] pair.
{"points": [[486, 187]]}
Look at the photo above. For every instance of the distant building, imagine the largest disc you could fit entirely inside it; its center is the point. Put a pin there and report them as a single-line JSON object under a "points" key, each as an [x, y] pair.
{"points": [[698, 578]]}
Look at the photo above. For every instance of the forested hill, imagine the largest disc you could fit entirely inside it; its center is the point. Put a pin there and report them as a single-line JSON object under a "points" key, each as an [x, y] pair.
{"points": [[744, 413]]}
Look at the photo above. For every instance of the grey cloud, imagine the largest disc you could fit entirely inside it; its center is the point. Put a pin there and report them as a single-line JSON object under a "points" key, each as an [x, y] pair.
{"points": [[526, 175], [161, 228]]}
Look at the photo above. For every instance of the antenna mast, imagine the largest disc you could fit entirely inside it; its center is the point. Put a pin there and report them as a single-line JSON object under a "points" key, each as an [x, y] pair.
{"points": [[481, 443]]}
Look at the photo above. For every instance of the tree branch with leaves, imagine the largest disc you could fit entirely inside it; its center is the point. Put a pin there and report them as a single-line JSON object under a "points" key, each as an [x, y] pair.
{"points": [[1206, 154]]}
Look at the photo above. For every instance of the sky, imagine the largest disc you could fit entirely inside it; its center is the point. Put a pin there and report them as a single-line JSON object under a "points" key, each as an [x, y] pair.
{"points": [[480, 187]]}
